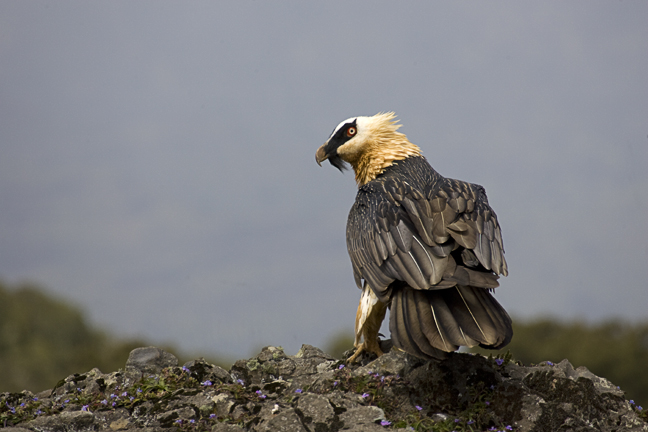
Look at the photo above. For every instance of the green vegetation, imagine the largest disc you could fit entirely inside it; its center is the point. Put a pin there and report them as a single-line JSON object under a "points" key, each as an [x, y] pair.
{"points": [[42, 340]]}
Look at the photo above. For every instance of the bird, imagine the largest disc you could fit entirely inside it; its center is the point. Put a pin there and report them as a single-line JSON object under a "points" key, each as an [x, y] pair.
{"points": [[426, 247]]}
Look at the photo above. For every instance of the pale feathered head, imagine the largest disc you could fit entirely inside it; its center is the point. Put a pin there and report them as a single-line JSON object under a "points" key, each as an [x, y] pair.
{"points": [[369, 144]]}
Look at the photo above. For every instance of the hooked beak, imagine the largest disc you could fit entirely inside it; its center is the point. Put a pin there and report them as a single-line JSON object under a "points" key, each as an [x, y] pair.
{"points": [[321, 155]]}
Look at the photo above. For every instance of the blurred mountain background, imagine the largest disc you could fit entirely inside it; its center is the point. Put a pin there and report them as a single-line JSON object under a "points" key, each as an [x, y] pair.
{"points": [[43, 339]]}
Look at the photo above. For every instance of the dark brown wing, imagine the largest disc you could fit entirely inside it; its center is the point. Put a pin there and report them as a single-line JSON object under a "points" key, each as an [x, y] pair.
{"points": [[413, 228]]}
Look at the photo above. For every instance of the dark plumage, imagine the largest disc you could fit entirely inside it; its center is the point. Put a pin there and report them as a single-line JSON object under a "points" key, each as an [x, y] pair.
{"points": [[428, 247]]}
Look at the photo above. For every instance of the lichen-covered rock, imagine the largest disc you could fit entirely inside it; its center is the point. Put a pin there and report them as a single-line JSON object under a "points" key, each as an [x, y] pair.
{"points": [[313, 392]]}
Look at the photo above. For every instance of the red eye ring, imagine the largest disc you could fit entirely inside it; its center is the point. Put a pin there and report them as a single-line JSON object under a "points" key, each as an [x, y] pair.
{"points": [[351, 131]]}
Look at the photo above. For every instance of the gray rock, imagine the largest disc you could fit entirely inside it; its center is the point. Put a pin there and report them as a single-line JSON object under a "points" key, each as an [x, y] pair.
{"points": [[315, 411], [148, 360], [309, 392], [224, 427], [66, 421], [362, 416], [284, 421]]}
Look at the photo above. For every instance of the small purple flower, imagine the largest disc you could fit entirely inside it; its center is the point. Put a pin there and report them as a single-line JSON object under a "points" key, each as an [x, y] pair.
{"points": [[124, 394], [335, 383], [632, 402], [192, 421], [418, 408], [341, 367], [487, 403], [261, 395], [206, 383], [66, 401], [105, 402], [185, 369], [39, 412], [457, 420], [114, 404], [365, 395], [139, 390], [85, 408], [509, 427], [550, 363], [212, 416], [470, 422], [132, 398], [179, 421], [298, 391], [35, 398], [499, 361], [639, 408], [113, 396], [385, 423], [240, 381]]}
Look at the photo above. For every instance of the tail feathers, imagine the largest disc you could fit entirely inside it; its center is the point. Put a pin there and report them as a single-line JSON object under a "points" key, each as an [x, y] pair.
{"points": [[429, 323]]}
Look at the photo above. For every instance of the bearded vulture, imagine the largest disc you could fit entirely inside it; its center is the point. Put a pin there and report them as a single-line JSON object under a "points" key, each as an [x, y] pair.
{"points": [[427, 247]]}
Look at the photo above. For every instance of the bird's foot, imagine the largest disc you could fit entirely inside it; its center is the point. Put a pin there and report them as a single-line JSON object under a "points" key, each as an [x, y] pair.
{"points": [[366, 347]]}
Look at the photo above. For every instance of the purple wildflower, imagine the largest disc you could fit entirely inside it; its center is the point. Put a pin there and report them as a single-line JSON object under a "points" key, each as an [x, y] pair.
{"points": [[365, 395], [124, 394], [298, 391], [341, 367], [261, 395], [335, 383], [85, 408], [509, 427], [192, 421], [179, 421], [211, 416], [385, 423], [105, 402], [418, 408], [206, 383], [632, 402], [550, 363], [639, 408], [487, 403], [499, 361], [114, 404], [457, 420]]}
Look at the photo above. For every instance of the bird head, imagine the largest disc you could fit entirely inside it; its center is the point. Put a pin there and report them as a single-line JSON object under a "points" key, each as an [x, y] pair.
{"points": [[369, 144]]}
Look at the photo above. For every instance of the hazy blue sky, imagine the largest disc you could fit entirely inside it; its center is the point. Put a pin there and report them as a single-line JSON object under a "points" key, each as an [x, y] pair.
{"points": [[157, 159]]}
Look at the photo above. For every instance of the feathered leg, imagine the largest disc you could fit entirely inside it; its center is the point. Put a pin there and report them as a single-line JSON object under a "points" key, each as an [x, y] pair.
{"points": [[369, 317]]}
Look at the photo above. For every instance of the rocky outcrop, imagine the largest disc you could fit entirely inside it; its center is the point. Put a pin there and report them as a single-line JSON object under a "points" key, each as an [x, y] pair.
{"points": [[313, 392]]}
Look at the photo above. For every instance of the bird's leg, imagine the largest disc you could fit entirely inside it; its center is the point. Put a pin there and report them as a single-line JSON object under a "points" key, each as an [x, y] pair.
{"points": [[369, 317]]}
